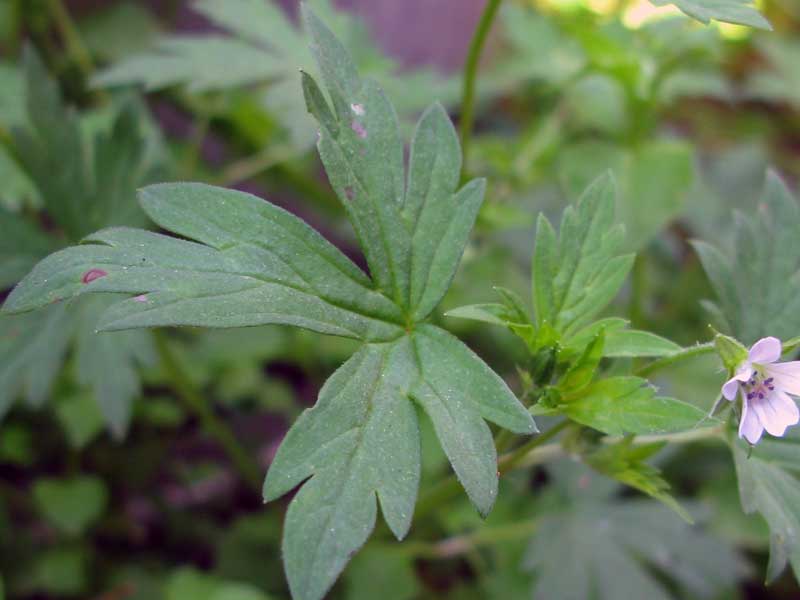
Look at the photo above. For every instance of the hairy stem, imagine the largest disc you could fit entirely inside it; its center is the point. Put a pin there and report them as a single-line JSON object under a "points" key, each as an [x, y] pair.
{"points": [[467, 117], [509, 461], [686, 353], [247, 468]]}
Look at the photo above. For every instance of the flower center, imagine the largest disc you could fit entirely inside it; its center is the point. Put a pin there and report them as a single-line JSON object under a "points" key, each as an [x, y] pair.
{"points": [[758, 386]]}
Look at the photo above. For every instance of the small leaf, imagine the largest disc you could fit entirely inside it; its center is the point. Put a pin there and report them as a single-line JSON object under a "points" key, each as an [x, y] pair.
{"points": [[621, 405], [577, 277], [71, 504], [739, 12], [494, 314]]}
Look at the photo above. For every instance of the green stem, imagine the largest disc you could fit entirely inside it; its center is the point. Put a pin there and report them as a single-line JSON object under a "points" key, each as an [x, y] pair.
{"points": [[463, 544], [681, 437], [248, 469], [510, 461], [470, 73], [549, 452], [536, 452], [255, 164], [195, 150], [71, 37], [686, 353]]}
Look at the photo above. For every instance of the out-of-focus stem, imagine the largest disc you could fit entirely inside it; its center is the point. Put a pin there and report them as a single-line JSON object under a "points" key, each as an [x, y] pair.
{"points": [[467, 117], [71, 37], [248, 469]]}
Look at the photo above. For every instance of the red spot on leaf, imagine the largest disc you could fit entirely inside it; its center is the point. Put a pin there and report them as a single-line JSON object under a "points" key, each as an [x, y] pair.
{"points": [[348, 191], [93, 274]]}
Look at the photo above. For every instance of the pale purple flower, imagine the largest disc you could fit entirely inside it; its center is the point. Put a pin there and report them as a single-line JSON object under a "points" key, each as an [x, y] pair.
{"points": [[764, 384]]}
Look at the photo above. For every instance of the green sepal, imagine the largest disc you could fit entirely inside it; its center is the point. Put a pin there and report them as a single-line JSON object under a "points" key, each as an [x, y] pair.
{"points": [[731, 351]]}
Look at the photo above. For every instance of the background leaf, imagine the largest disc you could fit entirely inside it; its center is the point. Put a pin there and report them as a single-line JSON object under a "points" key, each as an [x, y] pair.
{"points": [[766, 258], [71, 504], [740, 12], [595, 545]]}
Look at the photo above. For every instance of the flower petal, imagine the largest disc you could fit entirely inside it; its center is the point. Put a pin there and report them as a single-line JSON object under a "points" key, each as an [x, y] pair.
{"points": [[750, 427], [776, 412], [766, 350], [743, 373], [786, 376]]}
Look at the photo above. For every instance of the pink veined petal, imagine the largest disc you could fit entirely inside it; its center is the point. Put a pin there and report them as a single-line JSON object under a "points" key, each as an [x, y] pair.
{"points": [[766, 350], [750, 427], [743, 373], [776, 412], [786, 376]]}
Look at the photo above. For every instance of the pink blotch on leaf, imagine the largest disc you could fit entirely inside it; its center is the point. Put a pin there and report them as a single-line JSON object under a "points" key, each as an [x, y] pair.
{"points": [[93, 274], [359, 129], [141, 298], [357, 109]]}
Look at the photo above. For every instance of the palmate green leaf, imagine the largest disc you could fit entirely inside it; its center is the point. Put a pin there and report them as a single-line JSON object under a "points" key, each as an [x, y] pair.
{"points": [[246, 262], [577, 273], [739, 12], [361, 442], [597, 546], [768, 484], [757, 287], [623, 405]]}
